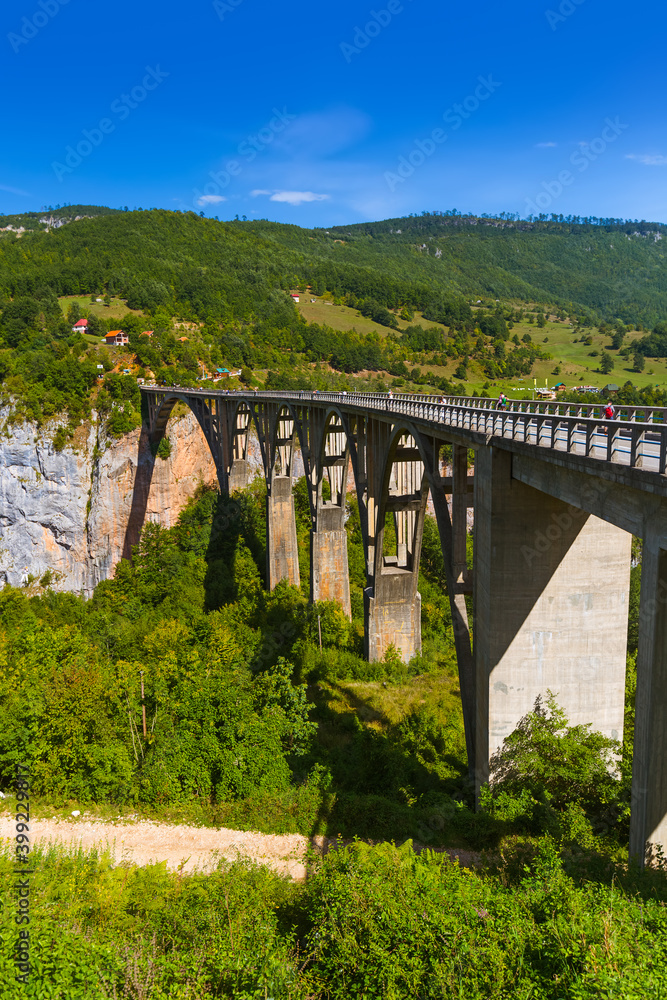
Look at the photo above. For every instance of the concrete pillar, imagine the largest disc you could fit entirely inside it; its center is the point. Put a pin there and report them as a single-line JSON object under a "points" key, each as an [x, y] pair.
{"points": [[648, 821], [282, 553], [551, 587], [239, 475], [392, 612], [329, 577], [459, 513]]}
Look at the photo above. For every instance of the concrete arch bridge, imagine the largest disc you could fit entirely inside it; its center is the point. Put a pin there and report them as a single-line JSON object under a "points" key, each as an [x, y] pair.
{"points": [[557, 493]]}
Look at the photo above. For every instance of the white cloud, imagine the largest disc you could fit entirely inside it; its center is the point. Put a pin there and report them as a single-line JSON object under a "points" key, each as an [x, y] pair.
{"points": [[210, 199], [297, 197], [545, 145], [648, 159], [313, 136], [258, 191], [11, 190]]}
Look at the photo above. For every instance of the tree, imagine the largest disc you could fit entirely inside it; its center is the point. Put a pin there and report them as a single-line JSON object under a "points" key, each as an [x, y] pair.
{"points": [[73, 313], [638, 362], [546, 755], [606, 363]]}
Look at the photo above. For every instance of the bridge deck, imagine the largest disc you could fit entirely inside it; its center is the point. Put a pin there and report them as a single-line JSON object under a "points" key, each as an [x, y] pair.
{"points": [[636, 439]]}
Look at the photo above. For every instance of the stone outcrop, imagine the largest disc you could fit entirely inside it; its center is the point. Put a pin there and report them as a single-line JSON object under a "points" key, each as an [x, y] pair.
{"points": [[77, 512]]}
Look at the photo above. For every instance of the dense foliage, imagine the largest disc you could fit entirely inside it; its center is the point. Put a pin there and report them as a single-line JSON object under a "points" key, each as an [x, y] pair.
{"points": [[379, 922]]}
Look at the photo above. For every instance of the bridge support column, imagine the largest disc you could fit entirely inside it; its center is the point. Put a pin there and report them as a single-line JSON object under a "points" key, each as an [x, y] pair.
{"points": [[551, 586], [648, 822], [392, 612], [282, 553], [239, 475], [329, 577]]}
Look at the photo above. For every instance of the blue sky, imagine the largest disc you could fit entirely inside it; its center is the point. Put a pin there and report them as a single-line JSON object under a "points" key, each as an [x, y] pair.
{"points": [[339, 112]]}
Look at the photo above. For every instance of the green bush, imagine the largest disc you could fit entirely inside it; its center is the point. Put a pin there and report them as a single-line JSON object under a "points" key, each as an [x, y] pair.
{"points": [[164, 449], [556, 762]]}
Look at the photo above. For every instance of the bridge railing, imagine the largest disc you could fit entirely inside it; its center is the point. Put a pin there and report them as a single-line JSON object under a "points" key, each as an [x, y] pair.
{"points": [[638, 438]]}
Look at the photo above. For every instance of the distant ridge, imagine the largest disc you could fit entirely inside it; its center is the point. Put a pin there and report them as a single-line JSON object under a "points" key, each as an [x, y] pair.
{"points": [[608, 269]]}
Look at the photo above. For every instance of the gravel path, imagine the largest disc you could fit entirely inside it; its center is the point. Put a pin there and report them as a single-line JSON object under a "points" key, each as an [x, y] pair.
{"points": [[141, 842]]}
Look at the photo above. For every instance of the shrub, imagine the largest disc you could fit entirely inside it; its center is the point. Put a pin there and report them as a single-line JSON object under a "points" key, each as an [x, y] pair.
{"points": [[551, 759]]}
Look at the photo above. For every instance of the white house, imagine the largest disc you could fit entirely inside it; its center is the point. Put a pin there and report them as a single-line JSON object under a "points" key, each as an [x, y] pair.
{"points": [[81, 326]]}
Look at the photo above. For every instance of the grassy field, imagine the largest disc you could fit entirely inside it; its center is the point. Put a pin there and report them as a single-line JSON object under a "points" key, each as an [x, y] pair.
{"points": [[116, 308], [343, 318], [577, 366]]}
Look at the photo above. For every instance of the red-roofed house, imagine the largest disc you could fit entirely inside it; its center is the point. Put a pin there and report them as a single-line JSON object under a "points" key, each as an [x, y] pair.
{"points": [[147, 333], [81, 326], [116, 338], [295, 296]]}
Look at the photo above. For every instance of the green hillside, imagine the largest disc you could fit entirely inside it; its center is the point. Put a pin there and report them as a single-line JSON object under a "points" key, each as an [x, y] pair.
{"points": [[616, 271], [431, 303]]}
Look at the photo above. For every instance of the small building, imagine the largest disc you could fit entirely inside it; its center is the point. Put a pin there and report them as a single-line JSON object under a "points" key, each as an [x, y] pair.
{"points": [[182, 340], [147, 333], [81, 326], [295, 296], [116, 338]]}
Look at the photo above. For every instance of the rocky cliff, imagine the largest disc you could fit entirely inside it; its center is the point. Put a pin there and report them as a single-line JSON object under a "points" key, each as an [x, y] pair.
{"points": [[77, 512]]}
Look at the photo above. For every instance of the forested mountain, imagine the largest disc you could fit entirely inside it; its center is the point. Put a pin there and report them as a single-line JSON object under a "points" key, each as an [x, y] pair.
{"points": [[611, 268], [228, 285], [51, 217]]}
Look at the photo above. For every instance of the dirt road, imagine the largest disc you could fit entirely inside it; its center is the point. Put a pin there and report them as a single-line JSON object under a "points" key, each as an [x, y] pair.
{"points": [[144, 841]]}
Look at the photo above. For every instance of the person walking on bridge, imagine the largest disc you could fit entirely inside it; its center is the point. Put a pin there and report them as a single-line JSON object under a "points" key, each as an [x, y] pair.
{"points": [[609, 412], [502, 402]]}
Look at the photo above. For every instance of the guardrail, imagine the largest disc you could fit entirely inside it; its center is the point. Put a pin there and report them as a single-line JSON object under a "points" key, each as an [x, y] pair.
{"points": [[639, 441]]}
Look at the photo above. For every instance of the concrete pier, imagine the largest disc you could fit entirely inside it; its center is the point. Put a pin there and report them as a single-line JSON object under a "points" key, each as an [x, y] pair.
{"points": [[239, 475], [282, 554], [329, 576], [392, 611], [551, 590], [648, 824]]}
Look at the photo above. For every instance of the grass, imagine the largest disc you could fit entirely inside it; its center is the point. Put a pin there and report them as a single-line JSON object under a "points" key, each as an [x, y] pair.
{"points": [[117, 308], [577, 367], [343, 318]]}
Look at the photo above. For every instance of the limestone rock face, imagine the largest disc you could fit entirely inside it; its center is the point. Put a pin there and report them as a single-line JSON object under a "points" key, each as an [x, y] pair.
{"points": [[79, 511]]}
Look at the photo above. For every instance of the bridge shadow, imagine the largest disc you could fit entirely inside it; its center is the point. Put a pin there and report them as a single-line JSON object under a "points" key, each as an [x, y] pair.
{"points": [[380, 788], [142, 487]]}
